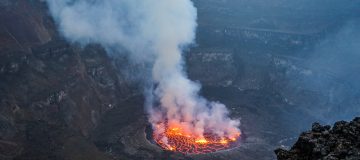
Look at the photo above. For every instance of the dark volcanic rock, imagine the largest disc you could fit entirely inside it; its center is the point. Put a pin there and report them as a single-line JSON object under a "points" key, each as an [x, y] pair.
{"points": [[52, 93], [322, 142]]}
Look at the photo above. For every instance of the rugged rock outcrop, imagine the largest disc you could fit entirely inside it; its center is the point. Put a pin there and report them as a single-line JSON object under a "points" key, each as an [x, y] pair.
{"points": [[342, 141]]}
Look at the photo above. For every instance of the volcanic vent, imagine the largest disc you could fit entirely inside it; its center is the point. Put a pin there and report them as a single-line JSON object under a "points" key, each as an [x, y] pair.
{"points": [[155, 33], [178, 140]]}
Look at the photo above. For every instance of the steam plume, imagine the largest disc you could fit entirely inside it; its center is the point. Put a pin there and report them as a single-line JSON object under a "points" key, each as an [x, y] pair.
{"points": [[153, 31]]}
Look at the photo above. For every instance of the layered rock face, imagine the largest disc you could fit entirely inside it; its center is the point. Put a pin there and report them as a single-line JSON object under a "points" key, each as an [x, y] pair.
{"points": [[52, 94], [342, 141]]}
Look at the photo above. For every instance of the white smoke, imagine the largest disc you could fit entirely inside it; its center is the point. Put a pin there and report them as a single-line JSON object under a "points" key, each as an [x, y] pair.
{"points": [[153, 31]]}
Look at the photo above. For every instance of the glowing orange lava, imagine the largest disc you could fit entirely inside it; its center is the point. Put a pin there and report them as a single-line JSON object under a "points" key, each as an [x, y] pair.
{"points": [[179, 141]]}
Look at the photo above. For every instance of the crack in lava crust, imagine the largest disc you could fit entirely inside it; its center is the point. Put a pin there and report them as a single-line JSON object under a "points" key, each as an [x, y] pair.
{"points": [[178, 141]]}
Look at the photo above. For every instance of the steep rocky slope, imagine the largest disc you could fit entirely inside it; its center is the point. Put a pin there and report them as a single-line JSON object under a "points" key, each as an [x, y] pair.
{"points": [[52, 94]]}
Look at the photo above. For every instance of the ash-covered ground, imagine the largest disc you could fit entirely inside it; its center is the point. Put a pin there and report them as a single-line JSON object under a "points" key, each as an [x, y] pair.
{"points": [[277, 66]]}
